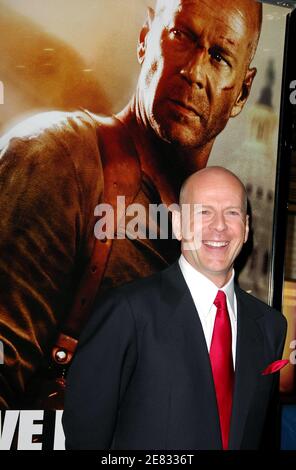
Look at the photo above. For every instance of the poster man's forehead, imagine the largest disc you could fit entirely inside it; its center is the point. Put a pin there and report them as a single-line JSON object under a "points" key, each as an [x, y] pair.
{"points": [[248, 13], [251, 8]]}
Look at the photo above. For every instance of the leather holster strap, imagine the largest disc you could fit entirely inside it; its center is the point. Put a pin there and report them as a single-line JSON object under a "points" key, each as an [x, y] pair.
{"points": [[122, 177]]}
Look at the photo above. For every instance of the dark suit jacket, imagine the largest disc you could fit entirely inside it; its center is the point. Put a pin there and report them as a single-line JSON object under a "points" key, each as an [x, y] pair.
{"points": [[141, 377]]}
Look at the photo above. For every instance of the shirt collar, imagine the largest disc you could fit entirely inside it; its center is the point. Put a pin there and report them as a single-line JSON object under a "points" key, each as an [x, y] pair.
{"points": [[203, 290]]}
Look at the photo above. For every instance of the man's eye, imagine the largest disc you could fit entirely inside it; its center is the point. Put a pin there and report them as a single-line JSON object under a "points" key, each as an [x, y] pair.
{"points": [[202, 212], [217, 56], [178, 34]]}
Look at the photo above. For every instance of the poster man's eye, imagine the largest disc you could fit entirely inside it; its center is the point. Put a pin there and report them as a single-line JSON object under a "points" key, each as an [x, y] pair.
{"points": [[178, 34], [217, 56]]}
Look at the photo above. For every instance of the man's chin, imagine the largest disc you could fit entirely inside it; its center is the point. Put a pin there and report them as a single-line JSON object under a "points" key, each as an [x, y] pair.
{"points": [[183, 137]]}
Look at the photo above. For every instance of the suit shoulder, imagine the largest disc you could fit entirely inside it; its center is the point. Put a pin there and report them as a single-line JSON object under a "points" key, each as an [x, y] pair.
{"points": [[141, 287], [132, 292], [270, 314]]}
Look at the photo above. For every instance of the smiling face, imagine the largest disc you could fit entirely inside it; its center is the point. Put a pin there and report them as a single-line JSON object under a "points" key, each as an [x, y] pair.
{"points": [[224, 227], [195, 74]]}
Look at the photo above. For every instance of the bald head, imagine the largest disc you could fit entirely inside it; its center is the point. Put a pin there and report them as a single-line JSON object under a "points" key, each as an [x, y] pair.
{"points": [[215, 177], [195, 74], [250, 10], [217, 221]]}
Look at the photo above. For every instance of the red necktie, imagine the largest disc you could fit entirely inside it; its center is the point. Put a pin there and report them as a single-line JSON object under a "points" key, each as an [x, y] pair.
{"points": [[222, 365]]}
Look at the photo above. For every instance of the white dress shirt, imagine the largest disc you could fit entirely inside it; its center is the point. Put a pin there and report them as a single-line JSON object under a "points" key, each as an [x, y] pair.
{"points": [[203, 292]]}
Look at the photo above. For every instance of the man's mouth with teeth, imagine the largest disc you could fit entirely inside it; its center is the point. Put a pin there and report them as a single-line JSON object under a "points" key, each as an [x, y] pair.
{"points": [[215, 244]]}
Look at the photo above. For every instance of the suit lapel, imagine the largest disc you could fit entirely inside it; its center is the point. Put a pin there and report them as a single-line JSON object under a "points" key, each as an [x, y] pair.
{"points": [[186, 330], [249, 356], [185, 327]]}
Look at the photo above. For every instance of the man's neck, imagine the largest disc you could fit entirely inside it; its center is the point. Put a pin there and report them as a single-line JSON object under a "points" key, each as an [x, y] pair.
{"points": [[166, 164], [219, 279]]}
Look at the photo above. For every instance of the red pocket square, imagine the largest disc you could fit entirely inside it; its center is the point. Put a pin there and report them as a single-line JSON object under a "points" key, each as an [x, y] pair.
{"points": [[275, 366]]}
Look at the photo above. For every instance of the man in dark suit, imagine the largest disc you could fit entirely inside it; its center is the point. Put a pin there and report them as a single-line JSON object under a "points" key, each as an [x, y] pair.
{"points": [[178, 360]]}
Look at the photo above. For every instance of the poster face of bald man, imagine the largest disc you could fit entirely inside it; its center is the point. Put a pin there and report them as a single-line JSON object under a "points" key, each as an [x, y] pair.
{"points": [[188, 43], [98, 70], [197, 86]]}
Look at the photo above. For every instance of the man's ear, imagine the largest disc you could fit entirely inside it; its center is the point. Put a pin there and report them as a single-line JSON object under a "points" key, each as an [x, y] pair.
{"points": [[244, 93], [141, 48], [176, 224], [247, 228]]}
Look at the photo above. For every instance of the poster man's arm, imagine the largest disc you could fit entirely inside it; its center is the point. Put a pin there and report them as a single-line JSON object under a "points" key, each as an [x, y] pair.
{"points": [[45, 201]]}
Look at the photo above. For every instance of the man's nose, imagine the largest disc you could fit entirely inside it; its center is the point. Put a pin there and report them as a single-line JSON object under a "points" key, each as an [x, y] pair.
{"points": [[194, 70], [218, 222]]}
